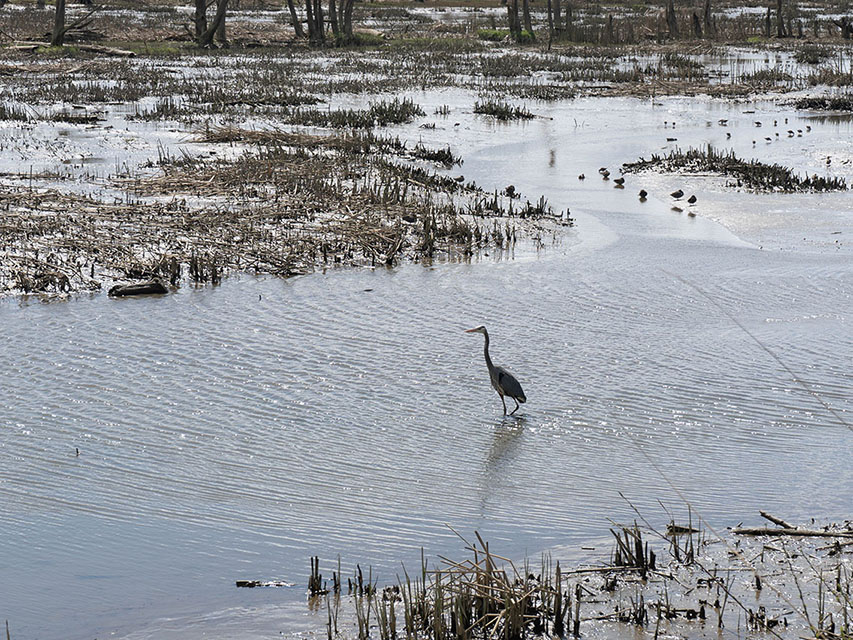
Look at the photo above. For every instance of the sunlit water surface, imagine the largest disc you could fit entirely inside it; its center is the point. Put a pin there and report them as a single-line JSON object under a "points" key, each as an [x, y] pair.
{"points": [[231, 432]]}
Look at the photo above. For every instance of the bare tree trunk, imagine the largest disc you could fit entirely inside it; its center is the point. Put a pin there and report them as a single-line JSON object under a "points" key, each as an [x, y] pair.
{"points": [[846, 26], [200, 19], [333, 19], [550, 22], [569, 21], [528, 25], [318, 17], [780, 22], [512, 16], [206, 39], [58, 36], [558, 18], [709, 24], [294, 19], [767, 24], [697, 26], [348, 19], [312, 26], [221, 36], [671, 21], [609, 33]]}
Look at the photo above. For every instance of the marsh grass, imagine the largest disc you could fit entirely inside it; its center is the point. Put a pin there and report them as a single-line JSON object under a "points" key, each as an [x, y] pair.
{"points": [[752, 174], [16, 112], [285, 204], [702, 581], [381, 113], [827, 103], [501, 110]]}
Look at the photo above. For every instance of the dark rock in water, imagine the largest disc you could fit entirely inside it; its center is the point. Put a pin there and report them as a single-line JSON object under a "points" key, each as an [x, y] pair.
{"points": [[138, 289], [251, 584]]}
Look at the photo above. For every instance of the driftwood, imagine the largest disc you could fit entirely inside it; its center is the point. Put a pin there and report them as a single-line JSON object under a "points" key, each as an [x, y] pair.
{"points": [[776, 520], [787, 529], [795, 531], [139, 289]]}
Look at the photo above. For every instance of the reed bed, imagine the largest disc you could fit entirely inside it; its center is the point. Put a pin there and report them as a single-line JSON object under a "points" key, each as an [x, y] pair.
{"points": [[285, 205], [697, 584], [501, 110], [751, 174]]}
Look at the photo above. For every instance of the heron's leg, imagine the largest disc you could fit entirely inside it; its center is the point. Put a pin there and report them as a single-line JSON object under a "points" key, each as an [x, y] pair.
{"points": [[503, 402], [516, 407]]}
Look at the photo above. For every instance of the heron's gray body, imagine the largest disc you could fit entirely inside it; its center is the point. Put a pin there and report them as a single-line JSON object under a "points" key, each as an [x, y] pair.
{"points": [[502, 380]]}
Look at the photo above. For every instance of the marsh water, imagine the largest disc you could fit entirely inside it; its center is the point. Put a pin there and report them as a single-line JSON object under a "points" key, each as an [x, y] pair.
{"points": [[155, 450]]}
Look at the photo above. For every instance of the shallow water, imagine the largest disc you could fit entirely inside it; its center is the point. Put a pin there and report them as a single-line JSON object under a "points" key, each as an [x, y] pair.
{"points": [[231, 432]]}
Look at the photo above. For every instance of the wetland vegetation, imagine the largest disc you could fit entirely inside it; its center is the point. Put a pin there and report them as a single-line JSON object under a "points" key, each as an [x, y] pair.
{"points": [[782, 582], [306, 200], [284, 154]]}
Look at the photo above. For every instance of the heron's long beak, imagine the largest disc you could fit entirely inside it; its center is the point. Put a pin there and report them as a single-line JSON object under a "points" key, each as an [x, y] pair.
{"points": [[471, 330]]}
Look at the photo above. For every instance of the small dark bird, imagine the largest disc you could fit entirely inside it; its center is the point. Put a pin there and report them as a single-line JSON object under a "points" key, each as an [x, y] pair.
{"points": [[606, 175], [672, 139], [757, 123], [619, 181], [728, 135], [692, 199], [677, 194], [603, 170], [581, 177], [808, 127], [502, 380], [643, 194]]}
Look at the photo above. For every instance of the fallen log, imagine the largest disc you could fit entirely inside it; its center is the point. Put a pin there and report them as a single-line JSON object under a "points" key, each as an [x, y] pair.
{"points": [[796, 531], [107, 51], [29, 45], [138, 289]]}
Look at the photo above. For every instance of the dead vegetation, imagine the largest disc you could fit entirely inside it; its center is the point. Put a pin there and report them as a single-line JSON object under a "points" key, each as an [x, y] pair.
{"points": [[288, 203], [697, 584]]}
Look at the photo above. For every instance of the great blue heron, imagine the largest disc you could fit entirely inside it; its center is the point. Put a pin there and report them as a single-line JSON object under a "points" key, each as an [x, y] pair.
{"points": [[502, 380]]}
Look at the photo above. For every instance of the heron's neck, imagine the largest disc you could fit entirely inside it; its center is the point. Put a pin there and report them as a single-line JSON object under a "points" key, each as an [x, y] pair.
{"points": [[486, 350]]}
